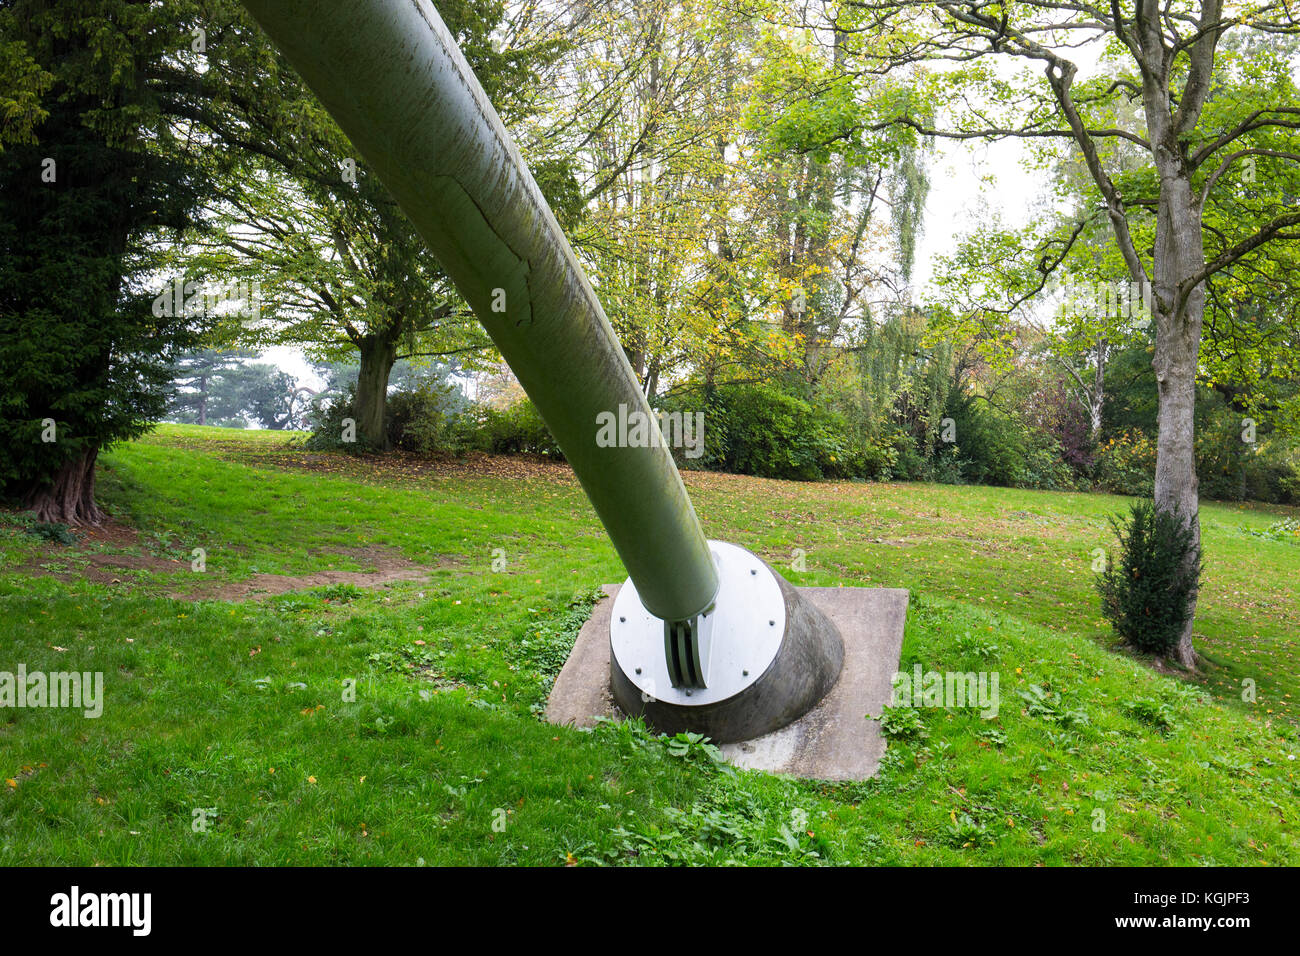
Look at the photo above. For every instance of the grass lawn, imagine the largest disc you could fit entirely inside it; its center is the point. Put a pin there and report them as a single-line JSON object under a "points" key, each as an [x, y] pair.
{"points": [[314, 699]]}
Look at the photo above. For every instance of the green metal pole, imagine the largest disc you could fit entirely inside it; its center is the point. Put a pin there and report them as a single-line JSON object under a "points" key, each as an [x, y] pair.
{"points": [[392, 76]]}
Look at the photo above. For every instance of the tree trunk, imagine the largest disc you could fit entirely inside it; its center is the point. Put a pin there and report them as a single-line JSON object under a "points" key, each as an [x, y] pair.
{"points": [[652, 379], [1097, 400], [70, 496], [1095, 408], [378, 353], [1179, 254]]}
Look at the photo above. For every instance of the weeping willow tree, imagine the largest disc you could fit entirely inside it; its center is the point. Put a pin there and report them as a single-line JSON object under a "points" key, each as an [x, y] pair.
{"points": [[895, 382], [909, 186]]}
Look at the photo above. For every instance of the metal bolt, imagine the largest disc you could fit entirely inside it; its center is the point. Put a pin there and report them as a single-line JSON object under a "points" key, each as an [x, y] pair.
{"points": [[688, 693], [638, 670], [771, 623], [744, 673], [622, 620], [753, 570]]}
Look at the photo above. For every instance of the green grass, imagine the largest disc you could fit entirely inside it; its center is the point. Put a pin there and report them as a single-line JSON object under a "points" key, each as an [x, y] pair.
{"points": [[399, 724]]}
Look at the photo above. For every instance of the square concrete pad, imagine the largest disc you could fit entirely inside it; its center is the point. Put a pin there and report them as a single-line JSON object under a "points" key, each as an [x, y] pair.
{"points": [[833, 741]]}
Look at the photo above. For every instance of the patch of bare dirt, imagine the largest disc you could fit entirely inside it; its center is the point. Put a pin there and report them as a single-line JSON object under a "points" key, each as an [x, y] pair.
{"points": [[111, 534], [268, 585], [387, 566], [401, 465], [101, 556]]}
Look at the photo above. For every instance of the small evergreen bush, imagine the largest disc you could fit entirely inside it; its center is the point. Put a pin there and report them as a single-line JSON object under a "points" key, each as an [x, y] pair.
{"points": [[1144, 592]]}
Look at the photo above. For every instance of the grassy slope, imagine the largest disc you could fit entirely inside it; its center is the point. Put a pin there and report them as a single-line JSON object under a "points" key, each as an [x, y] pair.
{"points": [[238, 706]]}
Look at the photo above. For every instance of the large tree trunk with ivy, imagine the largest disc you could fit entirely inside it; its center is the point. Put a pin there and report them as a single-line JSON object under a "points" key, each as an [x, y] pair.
{"points": [[69, 498], [378, 355]]}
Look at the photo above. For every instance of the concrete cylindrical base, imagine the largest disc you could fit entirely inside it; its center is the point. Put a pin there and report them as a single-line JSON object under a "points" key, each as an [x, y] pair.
{"points": [[805, 668]]}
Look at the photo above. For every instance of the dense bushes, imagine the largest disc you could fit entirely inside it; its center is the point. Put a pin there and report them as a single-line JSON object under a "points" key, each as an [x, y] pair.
{"points": [[754, 430], [327, 418], [1144, 591], [1228, 468], [1031, 437], [993, 447], [1234, 463], [1237, 459], [1126, 465], [429, 418], [761, 430], [435, 418], [989, 444], [894, 409], [517, 428]]}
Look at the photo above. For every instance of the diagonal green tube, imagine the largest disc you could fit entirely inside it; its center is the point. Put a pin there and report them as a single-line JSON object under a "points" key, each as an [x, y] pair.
{"points": [[392, 76]]}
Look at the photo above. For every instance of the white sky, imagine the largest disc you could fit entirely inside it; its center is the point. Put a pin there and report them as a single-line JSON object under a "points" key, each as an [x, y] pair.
{"points": [[295, 363], [959, 197]]}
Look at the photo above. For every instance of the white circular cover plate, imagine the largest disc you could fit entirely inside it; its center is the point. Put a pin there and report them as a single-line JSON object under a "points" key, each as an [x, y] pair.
{"points": [[748, 621]]}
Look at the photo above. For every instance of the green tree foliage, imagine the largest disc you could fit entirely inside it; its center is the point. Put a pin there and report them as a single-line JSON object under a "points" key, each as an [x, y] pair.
{"points": [[722, 247], [1188, 138], [341, 269], [761, 430], [199, 381], [93, 167]]}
